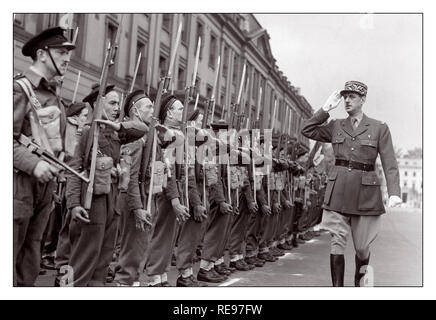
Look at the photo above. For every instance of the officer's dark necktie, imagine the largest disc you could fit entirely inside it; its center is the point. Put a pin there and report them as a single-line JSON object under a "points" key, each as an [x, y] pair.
{"points": [[355, 123]]}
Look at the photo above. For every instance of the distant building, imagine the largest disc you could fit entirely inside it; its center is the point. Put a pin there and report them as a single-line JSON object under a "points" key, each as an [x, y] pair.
{"points": [[236, 38], [410, 181]]}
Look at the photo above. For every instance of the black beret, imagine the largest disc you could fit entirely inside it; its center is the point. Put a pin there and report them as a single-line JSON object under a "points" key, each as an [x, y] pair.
{"points": [[75, 108], [49, 38], [167, 100], [132, 98], [220, 125], [92, 97]]}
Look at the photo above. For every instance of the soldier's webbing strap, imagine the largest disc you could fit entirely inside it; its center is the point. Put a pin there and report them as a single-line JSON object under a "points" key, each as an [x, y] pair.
{"points": [[38, 131]]}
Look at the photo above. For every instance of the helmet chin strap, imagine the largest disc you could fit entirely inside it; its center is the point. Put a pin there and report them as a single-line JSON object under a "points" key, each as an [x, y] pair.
{"points": [[53, 62]]}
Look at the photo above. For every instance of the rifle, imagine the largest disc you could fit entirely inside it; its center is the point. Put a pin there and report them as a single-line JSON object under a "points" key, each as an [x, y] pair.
{"points": [[98, 110], [189, 95], [76, 87], [48, 157], [267, 167], [255, 126], [151, 143], [132, 85]]}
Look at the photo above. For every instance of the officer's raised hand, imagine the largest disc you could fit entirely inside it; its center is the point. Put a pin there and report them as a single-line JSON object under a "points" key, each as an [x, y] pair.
{"points": [[332, 101], [182, 212], [225, 208], [44, 171], [79, 213], [199, 213], [253, 207], [394, 201]]}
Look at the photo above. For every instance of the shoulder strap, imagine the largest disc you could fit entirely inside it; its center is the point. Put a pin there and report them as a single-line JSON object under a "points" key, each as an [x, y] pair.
{"points": [[38, 131]]}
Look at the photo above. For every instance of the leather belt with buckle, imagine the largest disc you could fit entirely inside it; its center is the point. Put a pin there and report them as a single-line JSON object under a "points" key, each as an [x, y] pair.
{"points": [[354, 165]]}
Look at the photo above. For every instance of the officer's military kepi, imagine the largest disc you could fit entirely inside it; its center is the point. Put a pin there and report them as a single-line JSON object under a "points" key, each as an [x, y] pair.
{"points": [[355, 86], [49, 38]]}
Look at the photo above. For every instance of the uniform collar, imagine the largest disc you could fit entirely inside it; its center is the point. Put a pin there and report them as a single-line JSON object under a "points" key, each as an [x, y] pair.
{"points": [[348, 128], [37, 79]]}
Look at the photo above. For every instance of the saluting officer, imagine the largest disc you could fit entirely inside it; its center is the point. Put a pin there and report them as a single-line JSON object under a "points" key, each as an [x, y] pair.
{"points": [[33, 177], [353, 197]]}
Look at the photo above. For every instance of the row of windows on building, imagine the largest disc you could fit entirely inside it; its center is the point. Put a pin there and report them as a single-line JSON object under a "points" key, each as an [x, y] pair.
{"points": [[406, 173], [32, 23], [413, 184]]}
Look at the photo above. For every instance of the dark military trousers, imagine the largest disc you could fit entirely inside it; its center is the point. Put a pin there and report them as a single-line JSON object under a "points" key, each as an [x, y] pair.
{"points": [[51, 233], [239, 228], [190, 237], [163, 237], [92, 245], [254, 233], [133, 245], [286, 221], [63, 247], [33, 203], [214, 240], [236, 203]]}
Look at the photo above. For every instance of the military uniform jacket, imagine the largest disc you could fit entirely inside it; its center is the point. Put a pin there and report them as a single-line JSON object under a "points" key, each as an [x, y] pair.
{"points": [[135, 150], [351, 191], [109, 144], [24, 159]]}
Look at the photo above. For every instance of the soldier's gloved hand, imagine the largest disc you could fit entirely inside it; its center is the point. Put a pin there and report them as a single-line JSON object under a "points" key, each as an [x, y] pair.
{"points": [[182, 212], [332, 101], [44, 171], [114, 125], [394, 201], [79, 213], [253, 207], [225, 208], [200, 213], [142, 219], [266, 209]]}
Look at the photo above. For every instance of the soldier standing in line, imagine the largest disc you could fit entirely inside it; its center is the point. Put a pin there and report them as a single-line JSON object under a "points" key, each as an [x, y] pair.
{"points": [[193, 229], [220, 211], [77, 115], [353, 197], [168, 209], [135, 220], [256, 221], [92, 233], [35, 99]]}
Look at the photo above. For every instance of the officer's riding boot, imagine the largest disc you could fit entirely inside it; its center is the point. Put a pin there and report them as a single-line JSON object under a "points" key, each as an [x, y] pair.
{"points": [[358, 275], [337, 267]]}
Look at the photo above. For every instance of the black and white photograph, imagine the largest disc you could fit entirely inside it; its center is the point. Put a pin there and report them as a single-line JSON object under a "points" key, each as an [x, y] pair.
{"points": [[208, 149]]}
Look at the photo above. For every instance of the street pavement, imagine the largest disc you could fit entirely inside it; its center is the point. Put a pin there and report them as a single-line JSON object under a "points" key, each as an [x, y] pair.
{"points": [[396, 259]]}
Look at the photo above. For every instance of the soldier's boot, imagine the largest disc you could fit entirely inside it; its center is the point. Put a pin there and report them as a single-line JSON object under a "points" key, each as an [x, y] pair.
{"points": [[209, 276], [267, 257], [240, 265], [254, 261], [337, 269], [222, 270], [358, 275]]}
